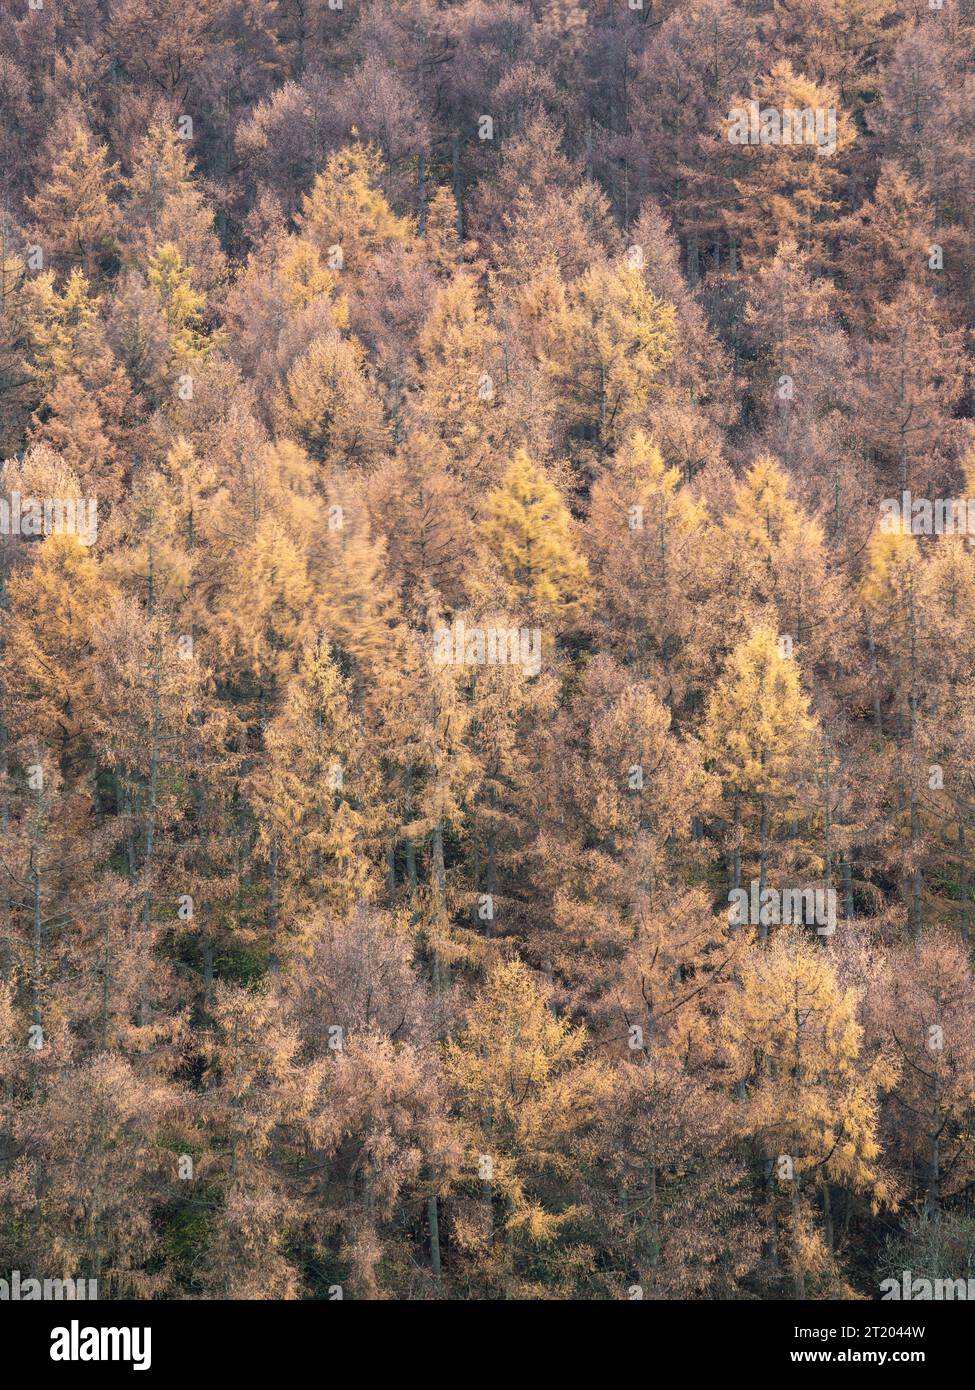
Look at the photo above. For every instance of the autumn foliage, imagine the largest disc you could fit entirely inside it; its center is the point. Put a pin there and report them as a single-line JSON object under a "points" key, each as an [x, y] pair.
{"points": [[488, 573]]}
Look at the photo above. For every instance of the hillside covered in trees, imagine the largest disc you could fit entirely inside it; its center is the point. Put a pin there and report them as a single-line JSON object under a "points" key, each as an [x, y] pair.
{"points": [[487, 670]]}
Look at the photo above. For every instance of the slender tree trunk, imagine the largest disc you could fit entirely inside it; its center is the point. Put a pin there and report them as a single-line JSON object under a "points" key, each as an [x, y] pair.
{"points": [[148, 861], [874, 679], [422, 194], [915, 819], [458, 184], [763, 864], [963, 881], [439, 883], [273, 903], [433, 1217], [799, 1276], [827, 1217], [847, 874], [932, 1203]]}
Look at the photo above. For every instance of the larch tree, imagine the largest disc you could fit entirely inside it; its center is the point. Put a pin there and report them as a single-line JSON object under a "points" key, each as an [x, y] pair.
{"points": [[72, 212], [528, 1097], [651, 554], [925, 1013], [786, 183], [622, 340], [313, 794], [811, 1089], [529, 532], [330, 406], [166, 205], [758, 733], [346, 210]]}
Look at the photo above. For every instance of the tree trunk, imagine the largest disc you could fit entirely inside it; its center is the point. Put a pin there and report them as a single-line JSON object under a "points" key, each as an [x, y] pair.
{"points": [[963, 880], [434, 1220]]}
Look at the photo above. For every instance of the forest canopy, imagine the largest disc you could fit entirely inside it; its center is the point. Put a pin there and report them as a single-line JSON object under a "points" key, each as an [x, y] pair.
{"points": [[487, 670]]}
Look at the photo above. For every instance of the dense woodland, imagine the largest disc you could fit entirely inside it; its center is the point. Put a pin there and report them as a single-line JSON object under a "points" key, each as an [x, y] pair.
{"points": [[330, 965]]}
